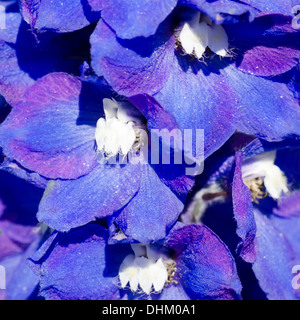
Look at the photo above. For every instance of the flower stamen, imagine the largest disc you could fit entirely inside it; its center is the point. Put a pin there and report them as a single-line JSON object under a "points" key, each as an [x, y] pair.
{"points": [[146, 270], [121, 131], [200, 34]]}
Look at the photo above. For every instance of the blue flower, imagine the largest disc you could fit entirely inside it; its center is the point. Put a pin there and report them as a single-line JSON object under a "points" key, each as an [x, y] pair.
{"points": [[59, 131], [191, 263], [265, 204], [219, 86], [101, 104]]}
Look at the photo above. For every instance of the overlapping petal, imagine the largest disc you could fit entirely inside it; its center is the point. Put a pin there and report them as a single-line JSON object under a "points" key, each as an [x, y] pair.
{"points": [[134, 18], [204, 263], [266, 47], [60, 16], [26, 58], [81, 266], [154, 205], [71, 203], [223, 11], [63, 148]]}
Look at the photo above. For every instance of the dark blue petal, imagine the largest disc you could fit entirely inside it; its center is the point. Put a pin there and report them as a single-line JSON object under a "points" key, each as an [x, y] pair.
{"points": [[25, 58], [31, 177], [258, 146], [20, 200], [223, 11]]}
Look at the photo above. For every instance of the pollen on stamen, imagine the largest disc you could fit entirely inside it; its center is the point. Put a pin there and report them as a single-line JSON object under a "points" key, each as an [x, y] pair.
{"points": [[263, 177], [257, 189], [171, 269], [120, 131]]}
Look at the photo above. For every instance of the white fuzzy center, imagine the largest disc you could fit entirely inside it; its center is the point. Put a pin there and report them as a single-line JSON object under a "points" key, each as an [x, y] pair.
{"points": [[200, 33], [145, 270], [262, 166], [117, 133]]}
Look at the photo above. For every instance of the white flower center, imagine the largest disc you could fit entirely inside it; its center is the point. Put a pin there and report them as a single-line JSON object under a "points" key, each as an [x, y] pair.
{"points": [[261, 169], [201, 32], [120, 131], [145, 269]]}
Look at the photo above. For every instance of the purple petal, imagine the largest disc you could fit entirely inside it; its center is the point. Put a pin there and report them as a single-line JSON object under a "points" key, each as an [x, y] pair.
{"points": [[288, 206], [222, 11], [266, 47], [243, 212], [204, 263], [52, 130], [73, 203], [7, 246], [157, 117]]}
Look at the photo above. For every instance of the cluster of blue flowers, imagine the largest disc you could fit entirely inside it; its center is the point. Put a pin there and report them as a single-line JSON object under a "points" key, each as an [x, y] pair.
{"points": [[150, 149]]}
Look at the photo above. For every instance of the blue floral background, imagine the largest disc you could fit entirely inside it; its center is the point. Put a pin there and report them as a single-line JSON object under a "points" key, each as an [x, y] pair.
{"points": [[86, 82]]}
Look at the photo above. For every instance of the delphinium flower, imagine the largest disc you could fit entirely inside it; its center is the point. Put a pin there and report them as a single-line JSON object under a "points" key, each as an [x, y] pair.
{"points": [[64, 128], [214, 66], [190, 263], [265, 201], [78, 125]]}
